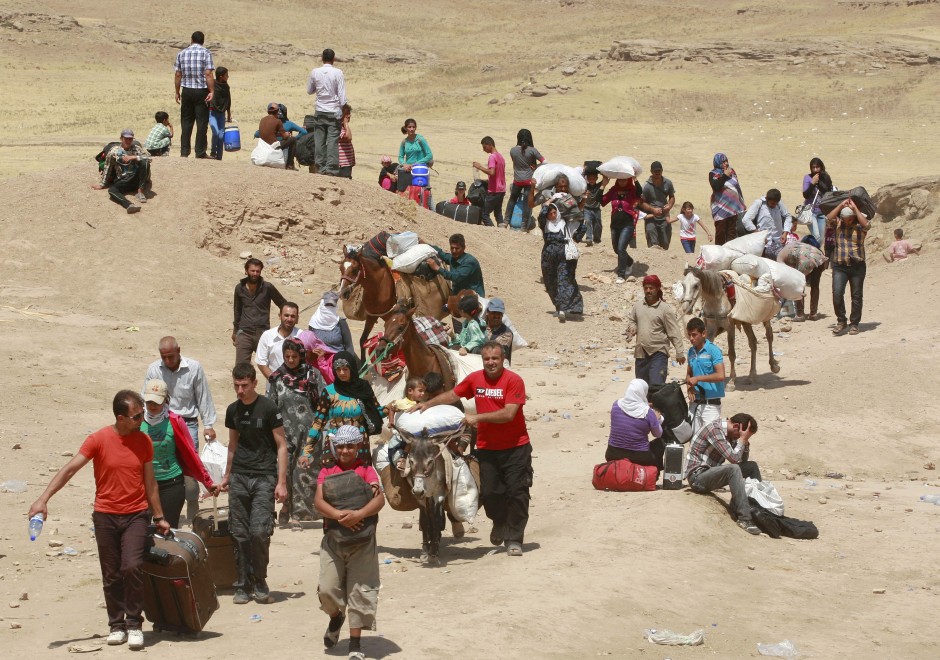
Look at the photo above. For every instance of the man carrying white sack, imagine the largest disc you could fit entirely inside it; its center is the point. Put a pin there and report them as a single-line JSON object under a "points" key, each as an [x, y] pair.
{"points": [[769, 214]]}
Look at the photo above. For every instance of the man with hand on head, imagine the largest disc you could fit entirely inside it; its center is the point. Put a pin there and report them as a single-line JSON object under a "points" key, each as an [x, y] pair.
{"points": [[190, 398], [124, 489]]}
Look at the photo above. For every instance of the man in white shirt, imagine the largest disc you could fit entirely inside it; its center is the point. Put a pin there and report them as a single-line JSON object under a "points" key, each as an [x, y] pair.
{"points": [[328, 84], [190, 398], [769, 213], [270, 354]]}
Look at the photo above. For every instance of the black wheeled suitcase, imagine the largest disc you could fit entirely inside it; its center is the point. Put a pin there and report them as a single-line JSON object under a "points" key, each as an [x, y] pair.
{"points": [[212, 526], [672, 467], [178, 591], [460, 212]]}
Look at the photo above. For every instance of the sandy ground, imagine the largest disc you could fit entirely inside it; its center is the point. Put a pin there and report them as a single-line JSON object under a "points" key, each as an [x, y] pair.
{"points": [[88, 291]]}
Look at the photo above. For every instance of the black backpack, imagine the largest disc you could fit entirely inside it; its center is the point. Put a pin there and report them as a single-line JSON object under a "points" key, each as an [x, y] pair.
{"points": [[305, 150], [102, 155], [477, 192]]}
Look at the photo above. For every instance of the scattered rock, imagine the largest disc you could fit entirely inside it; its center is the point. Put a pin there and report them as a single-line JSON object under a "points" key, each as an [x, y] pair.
{"points": [[556, 435], [245, 255], [24, 596], [927, 466], [406, 525], [19, 446], [823, 500], [66, 453], [750, 567], [878, 591], [569, 71], [55, 544], [540, 383], [835, 475], [781, 418], [877, 530], [15, 625], [14, 604]]}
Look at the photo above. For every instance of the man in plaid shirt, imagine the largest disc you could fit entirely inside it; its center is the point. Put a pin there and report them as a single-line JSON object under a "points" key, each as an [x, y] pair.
{"points": [[718, 442], [194, 89]]}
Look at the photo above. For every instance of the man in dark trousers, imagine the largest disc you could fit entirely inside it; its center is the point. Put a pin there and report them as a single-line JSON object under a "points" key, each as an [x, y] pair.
{"points": [[255, 478], [503, 446], [194, 90], [126, 170], [253, 298], [124, 489]]}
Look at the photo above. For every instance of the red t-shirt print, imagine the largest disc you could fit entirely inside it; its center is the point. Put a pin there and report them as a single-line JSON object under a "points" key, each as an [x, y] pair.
{"points": [[491, 396]]}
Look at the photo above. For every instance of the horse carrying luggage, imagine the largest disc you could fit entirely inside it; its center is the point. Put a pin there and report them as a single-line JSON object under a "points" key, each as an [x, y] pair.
{"points": [[178, 591], [212, 526]]}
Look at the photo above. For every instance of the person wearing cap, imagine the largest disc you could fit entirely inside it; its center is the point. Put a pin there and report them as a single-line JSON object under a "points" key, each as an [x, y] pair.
{"points": [[473, 327], [271, 130], [329, 84], [190, 399], [349, 579], [653, 323], [126, 496], [496, 330], [329, 327], [464, 272], [495, 170], [174, 454], [255, 478], [126, 170], [388, 176], [269, 355], [195, 87], [659, 196], [849, 227], [460, 195]]}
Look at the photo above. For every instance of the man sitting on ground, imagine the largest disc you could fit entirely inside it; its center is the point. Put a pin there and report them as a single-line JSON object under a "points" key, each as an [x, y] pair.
{"points": [[271, 130], [717, 442], [126, 170]]}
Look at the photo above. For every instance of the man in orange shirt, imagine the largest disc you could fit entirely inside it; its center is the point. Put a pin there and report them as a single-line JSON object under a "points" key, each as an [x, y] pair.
{"points": [[124, 487]]}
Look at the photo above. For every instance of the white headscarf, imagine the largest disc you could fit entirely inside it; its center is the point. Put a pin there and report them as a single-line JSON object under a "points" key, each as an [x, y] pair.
{"points": [[634, 401], [557, 225], [153, 420], [325, 318]]}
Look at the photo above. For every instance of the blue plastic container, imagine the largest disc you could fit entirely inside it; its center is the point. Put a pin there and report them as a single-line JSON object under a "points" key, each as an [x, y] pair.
{"points": [[232, 138], [420, 175]]}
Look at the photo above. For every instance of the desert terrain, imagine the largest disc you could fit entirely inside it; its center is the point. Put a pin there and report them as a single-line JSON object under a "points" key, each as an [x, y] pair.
{"points": [[87, 291]]}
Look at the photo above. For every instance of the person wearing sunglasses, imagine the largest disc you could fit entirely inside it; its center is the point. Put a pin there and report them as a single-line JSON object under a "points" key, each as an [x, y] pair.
{"points": [[126, 494]]}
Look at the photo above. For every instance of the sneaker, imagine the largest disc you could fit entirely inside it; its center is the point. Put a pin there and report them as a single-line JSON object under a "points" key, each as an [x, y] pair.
{"points": [[261, 593], [853, 329], [135, 639], [561, 317], [458, 529], [133, 208], [496, 535], [619, 280], [799, 319], [502, 225], [357, 655], [514, 549], [749, 527], [331, 636], [141, 197], [839, 329], [117, 637], [240, 597]]}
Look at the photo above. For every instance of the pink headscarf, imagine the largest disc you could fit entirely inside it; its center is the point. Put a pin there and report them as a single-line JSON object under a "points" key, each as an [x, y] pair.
{"points": [[324, 362]]}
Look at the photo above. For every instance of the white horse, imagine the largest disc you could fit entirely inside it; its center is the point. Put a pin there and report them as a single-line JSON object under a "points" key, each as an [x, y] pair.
{"points": [[710, 287]]}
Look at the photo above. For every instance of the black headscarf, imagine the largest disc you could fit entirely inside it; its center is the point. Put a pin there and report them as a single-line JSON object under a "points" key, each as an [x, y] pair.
{"points": [[357, 388]]}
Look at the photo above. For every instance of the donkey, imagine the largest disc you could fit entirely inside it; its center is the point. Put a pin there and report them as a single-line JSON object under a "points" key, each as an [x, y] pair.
{"points": [[425, 471], [710, 286]]}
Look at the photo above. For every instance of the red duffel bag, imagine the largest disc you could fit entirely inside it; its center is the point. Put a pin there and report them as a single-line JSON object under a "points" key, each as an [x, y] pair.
{"points": [[623, 475]]}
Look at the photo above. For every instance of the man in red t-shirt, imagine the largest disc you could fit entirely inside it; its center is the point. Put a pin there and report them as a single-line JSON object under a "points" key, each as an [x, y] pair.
{"points": [[503, 447], [124, 487]]}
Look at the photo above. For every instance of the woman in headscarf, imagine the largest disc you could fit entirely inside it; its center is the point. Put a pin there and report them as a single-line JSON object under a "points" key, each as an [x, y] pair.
{"points": [[295, 389], [318, 354], [727, 199], [388, 176], [347, 400], [558, 272], [624, 197], [174, 454], [816, 184], [329, 327], [632, 421]]}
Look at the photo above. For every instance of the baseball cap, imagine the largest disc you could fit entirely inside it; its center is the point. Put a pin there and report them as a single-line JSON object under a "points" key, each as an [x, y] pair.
{"points": [[656, 165], [127, 133], [273, 106], [496, 305], [461, 185], [330, 298], [155, 391]]}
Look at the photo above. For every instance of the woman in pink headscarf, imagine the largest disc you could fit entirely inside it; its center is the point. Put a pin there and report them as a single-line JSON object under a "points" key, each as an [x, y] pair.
{"points": [[388, 176], [318, 354]]}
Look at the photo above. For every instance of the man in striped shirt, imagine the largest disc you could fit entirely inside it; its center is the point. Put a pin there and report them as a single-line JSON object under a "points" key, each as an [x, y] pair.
{"points": [[718, 456], [194, 89]]}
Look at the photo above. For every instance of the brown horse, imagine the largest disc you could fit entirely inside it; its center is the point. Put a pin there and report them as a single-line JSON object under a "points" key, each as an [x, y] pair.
{"points": [[379, 296], [420, 358]]}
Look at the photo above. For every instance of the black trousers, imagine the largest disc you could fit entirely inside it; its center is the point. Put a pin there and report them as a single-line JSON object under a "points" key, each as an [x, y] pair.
{"points": [[130, 183], [193, 110], [172, 496], [505, 479], [652, 456]]}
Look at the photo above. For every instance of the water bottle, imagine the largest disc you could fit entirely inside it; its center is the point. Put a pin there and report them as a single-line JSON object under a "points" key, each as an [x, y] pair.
{"points": [[35, 526], [931, 499]]}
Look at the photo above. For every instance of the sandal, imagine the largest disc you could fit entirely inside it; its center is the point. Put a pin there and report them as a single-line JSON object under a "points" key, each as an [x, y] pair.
{"points": [[357, 655], [514, 549], [840, 327], [853, 330]]}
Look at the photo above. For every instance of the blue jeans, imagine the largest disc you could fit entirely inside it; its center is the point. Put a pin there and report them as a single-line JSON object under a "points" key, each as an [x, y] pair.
{"points": [[217, 126], [854, 276], [620, 238], [592, 222], [653, 368], [688, 244], [818, 228]]}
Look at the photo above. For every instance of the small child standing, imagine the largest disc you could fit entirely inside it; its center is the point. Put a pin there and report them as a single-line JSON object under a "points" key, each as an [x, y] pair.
{"points": [[592, 206], [158, 141], [219, 108], [349, 562], [901, 248], [687, 222]]}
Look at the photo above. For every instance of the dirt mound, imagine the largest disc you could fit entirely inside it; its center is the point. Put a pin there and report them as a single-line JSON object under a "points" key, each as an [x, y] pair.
{"points": [[911, 205]]}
